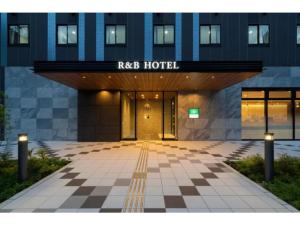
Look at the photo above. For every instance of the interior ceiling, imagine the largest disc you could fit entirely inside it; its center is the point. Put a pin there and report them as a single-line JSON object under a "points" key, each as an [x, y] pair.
{"points": [[148, 81]]}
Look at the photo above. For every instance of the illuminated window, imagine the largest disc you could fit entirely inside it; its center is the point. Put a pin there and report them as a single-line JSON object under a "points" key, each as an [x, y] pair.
{"points": [[253, 119], [280, 118], [115, 34], [18, 35], [279, 94], [164, 34], [67, 34], [253, 94]]}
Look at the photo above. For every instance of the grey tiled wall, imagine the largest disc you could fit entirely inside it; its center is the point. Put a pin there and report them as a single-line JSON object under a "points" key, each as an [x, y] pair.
{"points": [[221, 111], [45, 109]]}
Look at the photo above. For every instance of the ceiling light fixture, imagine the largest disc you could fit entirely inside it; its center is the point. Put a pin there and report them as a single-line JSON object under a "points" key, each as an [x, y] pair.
{"points": [[161, 77], [109, 77]]}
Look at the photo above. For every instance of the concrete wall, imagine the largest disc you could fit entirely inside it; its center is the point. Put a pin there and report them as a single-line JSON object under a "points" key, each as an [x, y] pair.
{"points": [[221, 111], [44, 109]]}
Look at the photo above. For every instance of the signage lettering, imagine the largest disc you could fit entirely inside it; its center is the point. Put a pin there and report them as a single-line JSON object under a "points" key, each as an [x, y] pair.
{"points": [[148, 65]]}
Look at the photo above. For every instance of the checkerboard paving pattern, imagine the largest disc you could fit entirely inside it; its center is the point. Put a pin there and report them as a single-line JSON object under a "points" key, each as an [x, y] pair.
{"points": [[152, 176]]}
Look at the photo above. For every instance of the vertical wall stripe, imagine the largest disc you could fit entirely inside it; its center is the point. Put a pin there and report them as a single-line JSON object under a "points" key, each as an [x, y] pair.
{"points": [[178, 38], [99, 36], [196, 37], [81, 37], [51, 36], [3, 47], [148, 39]]}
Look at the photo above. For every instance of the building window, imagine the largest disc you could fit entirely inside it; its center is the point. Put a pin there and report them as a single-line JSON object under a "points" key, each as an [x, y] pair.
{"points": [[270, 110], [210, 35], [258, 35], [298, 34], [164, 34], [18, 35], [67, 34], [115, 34]]}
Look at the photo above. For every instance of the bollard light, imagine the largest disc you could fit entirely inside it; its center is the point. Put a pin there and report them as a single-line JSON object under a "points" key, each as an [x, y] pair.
{"points": [[22, 156], [269, 156]]}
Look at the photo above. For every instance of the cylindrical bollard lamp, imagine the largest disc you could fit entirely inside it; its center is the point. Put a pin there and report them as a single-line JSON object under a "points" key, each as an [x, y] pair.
{"points": [[269, 156], [22, 156]]}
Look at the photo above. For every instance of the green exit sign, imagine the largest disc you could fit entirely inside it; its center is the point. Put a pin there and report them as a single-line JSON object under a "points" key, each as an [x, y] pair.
{"points": [[194, 113]]}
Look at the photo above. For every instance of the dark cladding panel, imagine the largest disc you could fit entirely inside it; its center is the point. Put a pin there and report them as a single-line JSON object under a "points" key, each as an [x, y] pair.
{"points": [[187, 38], [1, 98], [90, 36], [37, 48], [98, 116], [134, 48]]}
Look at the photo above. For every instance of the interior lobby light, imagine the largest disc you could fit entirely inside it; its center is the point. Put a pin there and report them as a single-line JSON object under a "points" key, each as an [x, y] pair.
{"points": [[83, 77], [187, 77], [212, 77], [161, 77], [135, 76], [109, 77]]}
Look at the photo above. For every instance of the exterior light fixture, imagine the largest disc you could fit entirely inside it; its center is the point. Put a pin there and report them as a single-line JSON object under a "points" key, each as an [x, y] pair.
{"points": [[269, 156], [22, 156]]}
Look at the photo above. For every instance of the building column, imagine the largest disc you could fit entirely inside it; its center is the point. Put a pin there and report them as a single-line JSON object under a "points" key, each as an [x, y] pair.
{"points": [[81, 36], [196, 37], [148, 37], [3, 47], [51, 37], [100, 36], [178, 37]]}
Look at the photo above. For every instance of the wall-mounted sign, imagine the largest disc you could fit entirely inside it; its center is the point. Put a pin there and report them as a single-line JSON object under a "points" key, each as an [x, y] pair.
{"points": [[194, 113], [148, 65]]}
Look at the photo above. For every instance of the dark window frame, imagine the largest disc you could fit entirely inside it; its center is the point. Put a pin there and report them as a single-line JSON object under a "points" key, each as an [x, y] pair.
{"points": [[67, 44], [210, 44], [258, 33], [116, 44], [164, 44], [298, 44], [18, 44]]}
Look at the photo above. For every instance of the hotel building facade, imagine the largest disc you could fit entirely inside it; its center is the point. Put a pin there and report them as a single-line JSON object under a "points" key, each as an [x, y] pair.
{"points": [[150, 76]]}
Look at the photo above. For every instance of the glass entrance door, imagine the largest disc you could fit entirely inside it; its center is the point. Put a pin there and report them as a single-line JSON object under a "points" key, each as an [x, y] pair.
{"points": [[149, 115]]}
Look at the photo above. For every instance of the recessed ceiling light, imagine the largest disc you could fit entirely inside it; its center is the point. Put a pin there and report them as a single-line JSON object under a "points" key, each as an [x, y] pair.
{"points": [[135, 76], [212, 77], [83, 77], [161, 77], [109, 77], [187, 77]]}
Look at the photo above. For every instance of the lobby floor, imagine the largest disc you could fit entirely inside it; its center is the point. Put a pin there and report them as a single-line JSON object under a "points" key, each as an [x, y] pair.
{"points": [[150, 176]]}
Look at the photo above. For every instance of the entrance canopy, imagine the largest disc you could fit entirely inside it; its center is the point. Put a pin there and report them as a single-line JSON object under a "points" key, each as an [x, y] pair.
{"points": [[148, 76]]}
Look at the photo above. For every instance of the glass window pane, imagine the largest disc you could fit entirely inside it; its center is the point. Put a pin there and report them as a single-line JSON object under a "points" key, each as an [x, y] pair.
{"points": [[252, 35], [215, 34], [158, 35], [253, 119], [298, 94], [169, 34], [62, 35], [120, 34], [13, 35], [263, 34], [170, 115], [110, 35], [298, 34], [204, 34], [297, 119], [72, 34], [280, 118], [24, 34], [279, 94], [128, 115], [253, 94]]}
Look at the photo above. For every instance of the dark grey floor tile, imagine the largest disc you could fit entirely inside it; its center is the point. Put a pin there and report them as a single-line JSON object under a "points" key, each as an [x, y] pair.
{"points": [[69, 175], [108, 210], [154, 210], [94, 202], [153, 170], [73, 202], [188, 190], [69, 155], [174, 201], [76, 182], [84, 190], [5, 210], [66, 170], [101, 191], [216, 170], [200, 182], [209, 175]]}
